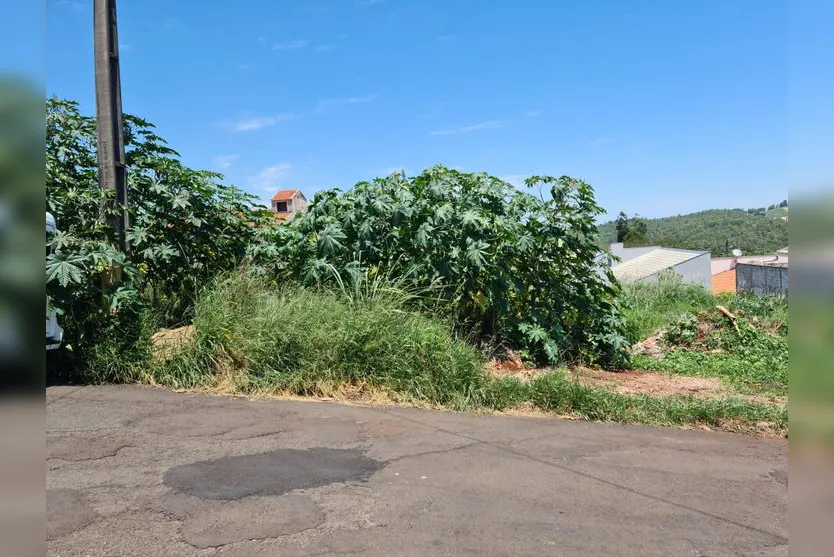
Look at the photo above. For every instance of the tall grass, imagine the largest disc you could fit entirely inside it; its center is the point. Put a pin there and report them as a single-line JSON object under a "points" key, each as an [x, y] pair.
{"points": [[267, 338], [649, 306]]}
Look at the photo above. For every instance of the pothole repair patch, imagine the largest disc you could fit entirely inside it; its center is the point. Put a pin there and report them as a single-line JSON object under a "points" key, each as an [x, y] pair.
{"points": [[273, 473]]}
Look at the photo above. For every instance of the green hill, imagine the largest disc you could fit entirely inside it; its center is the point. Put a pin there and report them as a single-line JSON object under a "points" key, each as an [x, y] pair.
{"points": [[778, 212], [716, 230]]}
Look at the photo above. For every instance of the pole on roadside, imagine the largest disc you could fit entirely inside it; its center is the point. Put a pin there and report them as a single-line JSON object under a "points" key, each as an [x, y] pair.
{"points": [[109, 120]]}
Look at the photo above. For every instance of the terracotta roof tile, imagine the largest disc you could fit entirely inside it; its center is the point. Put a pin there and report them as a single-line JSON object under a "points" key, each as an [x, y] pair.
{"points": [[724, 282], [284, 195]]}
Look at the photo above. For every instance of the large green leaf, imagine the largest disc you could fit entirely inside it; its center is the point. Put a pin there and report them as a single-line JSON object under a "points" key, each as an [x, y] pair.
{"points": [[65, 269]]}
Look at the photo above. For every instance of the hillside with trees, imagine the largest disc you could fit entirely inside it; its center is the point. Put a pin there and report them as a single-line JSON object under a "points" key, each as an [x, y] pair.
{"points": [[719, 231]]}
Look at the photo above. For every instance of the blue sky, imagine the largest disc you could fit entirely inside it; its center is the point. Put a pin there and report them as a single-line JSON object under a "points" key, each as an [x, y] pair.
{"points": [[665, 107]]}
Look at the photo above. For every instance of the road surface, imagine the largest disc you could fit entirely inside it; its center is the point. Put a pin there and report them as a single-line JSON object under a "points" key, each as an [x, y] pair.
{"points": [[141, 471]]}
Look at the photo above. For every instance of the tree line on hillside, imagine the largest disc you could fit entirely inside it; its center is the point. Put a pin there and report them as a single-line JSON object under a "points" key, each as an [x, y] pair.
{"points": [[718, 231]]}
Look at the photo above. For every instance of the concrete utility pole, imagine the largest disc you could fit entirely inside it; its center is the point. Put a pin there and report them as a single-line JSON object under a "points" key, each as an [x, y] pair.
{"points": [[109, 123]]}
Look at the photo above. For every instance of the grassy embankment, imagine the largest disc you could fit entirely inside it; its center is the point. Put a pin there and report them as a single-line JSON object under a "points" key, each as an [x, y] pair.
{"points": [[363, 343]]}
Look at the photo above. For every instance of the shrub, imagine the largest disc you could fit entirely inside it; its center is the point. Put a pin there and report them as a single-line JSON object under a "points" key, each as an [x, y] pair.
{"points": [[185, 227], [512, 269]]}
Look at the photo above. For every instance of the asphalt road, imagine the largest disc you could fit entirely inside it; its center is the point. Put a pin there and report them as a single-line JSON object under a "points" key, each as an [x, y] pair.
{"points": [[143, 471]]}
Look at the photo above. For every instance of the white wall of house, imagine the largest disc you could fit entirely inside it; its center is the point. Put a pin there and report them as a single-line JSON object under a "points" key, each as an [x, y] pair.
{"points": [[299, 202], [695, 271]]}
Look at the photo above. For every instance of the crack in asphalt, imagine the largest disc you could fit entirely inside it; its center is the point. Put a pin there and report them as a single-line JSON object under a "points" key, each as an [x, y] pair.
{"points": [[89, 459], [438, 451], [776, 537]]}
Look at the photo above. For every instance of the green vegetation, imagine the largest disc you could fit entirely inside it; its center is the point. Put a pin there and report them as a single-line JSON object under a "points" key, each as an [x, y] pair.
{"points": [[718, 231], [401, 286], [513, 270], [750, 354], [185, 228], [252, 337], [652, 306], [631, 231], [777, 211], [268, 338], [556, 392]]}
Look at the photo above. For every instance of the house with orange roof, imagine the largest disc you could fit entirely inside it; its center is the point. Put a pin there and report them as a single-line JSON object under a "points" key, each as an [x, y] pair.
{"points": [[287, 203]]}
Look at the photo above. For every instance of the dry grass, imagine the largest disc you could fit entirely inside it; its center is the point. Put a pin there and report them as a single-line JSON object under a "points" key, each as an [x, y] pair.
{"points": [[167, 342]]}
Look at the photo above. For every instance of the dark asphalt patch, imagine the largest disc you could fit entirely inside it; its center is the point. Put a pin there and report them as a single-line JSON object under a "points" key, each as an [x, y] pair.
{"points": [[272, 473]]}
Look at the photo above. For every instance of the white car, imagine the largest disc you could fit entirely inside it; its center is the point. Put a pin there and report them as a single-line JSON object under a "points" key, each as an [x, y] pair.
{"points": [[54, 332]]}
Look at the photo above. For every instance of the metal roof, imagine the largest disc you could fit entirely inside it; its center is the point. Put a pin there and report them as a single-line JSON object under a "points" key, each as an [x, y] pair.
{"points": [[648, 264]]}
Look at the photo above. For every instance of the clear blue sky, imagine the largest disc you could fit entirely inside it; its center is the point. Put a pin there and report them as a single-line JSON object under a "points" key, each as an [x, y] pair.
{"points": [[664, 106]]}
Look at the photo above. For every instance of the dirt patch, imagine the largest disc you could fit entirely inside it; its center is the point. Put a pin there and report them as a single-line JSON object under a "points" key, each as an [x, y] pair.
{"points": [[632, 382], [651, 383], [707, 323], [623, 382], [530, 410], [512, 366], [498, 369], [651, 346], [167, 342], [351, 393]]}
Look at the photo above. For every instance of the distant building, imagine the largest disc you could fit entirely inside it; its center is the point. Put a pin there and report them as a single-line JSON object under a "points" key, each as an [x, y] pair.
{"points": [[724, 275], [644, 264], [287, 203], [760, 278]]}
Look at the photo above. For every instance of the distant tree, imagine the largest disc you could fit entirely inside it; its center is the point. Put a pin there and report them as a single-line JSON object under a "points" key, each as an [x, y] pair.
{"points": [[621, 226], [638, 232], [771, 207], [784, 203]]}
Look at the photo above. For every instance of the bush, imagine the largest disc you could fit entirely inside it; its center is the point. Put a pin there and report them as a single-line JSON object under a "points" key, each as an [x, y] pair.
{"points": [[512, 269], [185, 227]]}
